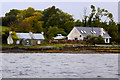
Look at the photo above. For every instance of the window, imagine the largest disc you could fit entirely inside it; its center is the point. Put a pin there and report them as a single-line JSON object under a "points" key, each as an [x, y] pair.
{"points": [[38, 42], [107, 40], [82, 31], [94, 32], [27, 42], [80, 36], [17, 42], [91, 31]]}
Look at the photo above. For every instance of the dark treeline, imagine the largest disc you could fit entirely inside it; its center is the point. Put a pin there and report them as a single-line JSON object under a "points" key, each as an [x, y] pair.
{"points": [[53, 21]]}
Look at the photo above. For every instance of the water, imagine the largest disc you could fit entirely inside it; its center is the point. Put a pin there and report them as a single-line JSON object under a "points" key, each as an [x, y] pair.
{"points": [[53, 65]]}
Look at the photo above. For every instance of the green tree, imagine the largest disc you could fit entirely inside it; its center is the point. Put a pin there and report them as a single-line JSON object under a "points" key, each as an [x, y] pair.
{"points": [[8, 20], [52, 31], [113, 30], [55, 17], [30, 23], [26, 13], [5, 35], [10, 17], [14, 36], [95, 19], [78, 23], [14, 12]]}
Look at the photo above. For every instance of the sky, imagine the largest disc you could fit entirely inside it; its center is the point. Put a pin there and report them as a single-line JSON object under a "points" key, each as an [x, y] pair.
{"points": [[74, 8]]}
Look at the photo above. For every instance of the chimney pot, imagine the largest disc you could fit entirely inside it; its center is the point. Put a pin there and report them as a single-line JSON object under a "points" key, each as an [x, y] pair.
{"points": [[42, 32]]}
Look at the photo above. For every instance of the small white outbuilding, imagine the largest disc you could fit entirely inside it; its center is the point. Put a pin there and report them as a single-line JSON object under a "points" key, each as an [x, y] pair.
{"points": [[9, 39]]}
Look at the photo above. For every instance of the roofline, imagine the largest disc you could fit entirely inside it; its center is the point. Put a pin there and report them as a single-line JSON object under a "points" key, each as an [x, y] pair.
{"points": [[90, 27], [72, 29]]}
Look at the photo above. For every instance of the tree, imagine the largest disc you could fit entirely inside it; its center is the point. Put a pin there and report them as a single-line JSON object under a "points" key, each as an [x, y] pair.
{"points": [[10, 17], [52, 31], [113, 30], [26, 13], [30, 24], [55, 17], [95, 19], [14, 12], [14, 37], [68, 26], [47, 13], [5, 35], [8, 20], [79, 23]]}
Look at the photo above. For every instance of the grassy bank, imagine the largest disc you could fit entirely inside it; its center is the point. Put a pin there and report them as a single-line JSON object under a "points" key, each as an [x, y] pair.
{"points": [[61, 48], [46, 45], [3, 28]]}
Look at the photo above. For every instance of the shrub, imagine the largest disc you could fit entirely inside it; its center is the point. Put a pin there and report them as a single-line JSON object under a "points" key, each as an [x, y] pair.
{"points": [[93, 39]]}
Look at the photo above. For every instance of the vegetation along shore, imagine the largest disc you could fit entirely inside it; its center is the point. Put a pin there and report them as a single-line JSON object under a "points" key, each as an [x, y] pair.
{"points": [[62, 48]]}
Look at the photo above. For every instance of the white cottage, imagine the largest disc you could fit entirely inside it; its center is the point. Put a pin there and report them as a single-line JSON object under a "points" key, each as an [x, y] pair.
{"points": [[78, 33], [30, 38]]}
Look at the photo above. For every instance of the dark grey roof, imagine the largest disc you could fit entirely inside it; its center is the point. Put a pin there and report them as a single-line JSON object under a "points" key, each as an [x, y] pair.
{"points": [[23, 35], [87, 30], [38, 36], [28, 36]]}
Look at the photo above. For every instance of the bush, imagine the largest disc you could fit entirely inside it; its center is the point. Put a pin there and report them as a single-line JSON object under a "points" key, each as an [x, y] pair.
{"points": [[93, 39], [99, 40]]}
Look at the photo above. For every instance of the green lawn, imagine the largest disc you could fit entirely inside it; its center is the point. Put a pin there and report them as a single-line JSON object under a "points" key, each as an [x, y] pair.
{"points": [[3, 28], [53, 45]]}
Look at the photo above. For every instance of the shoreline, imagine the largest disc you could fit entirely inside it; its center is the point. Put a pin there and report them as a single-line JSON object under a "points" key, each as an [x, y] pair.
{"points": [[68, 49]]}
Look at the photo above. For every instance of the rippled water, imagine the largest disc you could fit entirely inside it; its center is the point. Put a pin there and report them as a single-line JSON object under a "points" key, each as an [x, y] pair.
{"points": [[58, 65]]}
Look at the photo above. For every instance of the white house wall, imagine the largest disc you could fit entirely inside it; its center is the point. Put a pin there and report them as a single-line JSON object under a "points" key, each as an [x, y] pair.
{"points": [[74, 34]]}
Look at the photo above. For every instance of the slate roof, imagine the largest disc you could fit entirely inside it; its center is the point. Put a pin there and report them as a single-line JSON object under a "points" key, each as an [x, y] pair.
{"points": [[23, 35], [38, 36], [28, 36], [88, 30]]}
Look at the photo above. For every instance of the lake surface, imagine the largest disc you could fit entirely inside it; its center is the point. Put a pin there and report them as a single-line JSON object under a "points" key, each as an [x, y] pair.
{"points": [[59, 65]]}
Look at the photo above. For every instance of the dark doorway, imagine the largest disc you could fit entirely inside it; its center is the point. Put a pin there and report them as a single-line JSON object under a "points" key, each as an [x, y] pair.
{"points": [[76, 38]]}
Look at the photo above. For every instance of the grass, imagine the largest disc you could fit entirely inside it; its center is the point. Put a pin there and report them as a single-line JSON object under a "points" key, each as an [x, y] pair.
{"points": [[57, 45], [3, 28], [53, 45]]}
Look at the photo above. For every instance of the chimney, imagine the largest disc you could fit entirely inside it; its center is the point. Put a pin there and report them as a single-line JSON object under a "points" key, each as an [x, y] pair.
{"points": [[42, 33], [10, 32], [31, 34], [101, 31]]}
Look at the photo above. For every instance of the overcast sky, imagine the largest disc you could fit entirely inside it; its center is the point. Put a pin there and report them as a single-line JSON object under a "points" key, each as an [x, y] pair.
{"points": [[74, 8]]}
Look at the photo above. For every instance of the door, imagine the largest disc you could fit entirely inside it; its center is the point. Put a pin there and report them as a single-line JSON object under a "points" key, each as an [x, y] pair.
{"points": [[76, 38]]}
